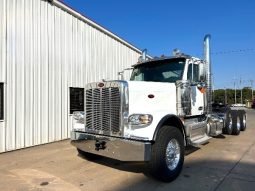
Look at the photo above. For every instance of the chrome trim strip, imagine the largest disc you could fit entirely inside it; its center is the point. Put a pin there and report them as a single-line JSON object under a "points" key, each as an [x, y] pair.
{"points": [[124, 110]]}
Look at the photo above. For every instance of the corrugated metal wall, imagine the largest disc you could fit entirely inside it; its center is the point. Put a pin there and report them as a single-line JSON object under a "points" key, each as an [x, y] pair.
{"points": [[2, 64], [44, 50]]}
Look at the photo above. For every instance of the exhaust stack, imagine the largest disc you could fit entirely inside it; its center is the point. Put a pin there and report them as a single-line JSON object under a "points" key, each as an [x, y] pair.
{"points": [[208, 73], [144, 54], [143, 57]]}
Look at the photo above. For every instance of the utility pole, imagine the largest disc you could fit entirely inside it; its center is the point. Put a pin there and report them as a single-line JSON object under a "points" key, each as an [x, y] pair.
{"points": [[252, 90], [213, 95], [226, 98], [235, 90], [241, 90]]}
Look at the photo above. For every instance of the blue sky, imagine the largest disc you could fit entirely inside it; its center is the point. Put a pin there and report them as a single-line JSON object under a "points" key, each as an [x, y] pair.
{"points": [[162, 25]]}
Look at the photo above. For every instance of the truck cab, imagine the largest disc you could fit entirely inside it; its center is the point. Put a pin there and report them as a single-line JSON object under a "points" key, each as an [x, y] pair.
{"points": [[176, 69], [165, 106]]}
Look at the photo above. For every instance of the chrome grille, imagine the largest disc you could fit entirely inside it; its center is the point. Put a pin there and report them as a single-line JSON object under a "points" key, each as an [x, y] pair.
{"points": [[103, 107]]}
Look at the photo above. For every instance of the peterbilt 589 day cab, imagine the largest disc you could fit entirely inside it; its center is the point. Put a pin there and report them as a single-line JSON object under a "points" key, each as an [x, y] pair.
{"points": [[164, 107]]}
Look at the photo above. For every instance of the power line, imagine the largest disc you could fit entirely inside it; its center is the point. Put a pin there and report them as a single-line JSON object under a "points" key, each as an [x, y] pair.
{"points": [[223, 52], [233, 51]]}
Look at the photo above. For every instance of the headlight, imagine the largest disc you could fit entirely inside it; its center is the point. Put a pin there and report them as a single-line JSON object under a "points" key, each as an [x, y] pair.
{"points": [[79, 116], [140, 119]]}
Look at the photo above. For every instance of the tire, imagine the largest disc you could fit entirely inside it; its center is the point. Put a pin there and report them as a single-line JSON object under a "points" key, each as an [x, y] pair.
{"points": [[242, 116], [88, 156], [162, 166], [236, 123], [228, 125]]}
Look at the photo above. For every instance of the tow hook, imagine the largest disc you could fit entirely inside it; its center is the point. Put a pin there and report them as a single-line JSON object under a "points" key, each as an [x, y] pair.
{"points": [[100, 145]]}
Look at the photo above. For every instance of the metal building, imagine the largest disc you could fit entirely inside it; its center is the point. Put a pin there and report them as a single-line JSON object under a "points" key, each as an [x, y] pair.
{"points": [[46, 48]]}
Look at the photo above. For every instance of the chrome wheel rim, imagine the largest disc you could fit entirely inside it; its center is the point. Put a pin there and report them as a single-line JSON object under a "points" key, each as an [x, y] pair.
{"points": [[230, 123], [172, 154], [238, 124], [244, 121]]}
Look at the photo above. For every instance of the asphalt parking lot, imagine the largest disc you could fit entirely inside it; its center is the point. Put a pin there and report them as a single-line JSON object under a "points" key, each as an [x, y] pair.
{"points": [[225, 163]]}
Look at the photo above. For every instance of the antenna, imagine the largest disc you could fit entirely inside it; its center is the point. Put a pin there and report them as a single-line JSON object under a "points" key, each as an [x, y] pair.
{"points": [[176, 52]]}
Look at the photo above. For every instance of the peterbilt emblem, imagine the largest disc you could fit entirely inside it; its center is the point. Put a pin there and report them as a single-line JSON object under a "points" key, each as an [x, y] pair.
{"points": [[100, 85]]}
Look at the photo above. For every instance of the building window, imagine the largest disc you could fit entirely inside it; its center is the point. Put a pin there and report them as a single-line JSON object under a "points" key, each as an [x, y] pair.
{"points": [[1, 101], [76, 99]]}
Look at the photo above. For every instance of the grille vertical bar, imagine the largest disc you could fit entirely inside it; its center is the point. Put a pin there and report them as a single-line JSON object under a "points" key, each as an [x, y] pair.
{"points": [[103, 107]]}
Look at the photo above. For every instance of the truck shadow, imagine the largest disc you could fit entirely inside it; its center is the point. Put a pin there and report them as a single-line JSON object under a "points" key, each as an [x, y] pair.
{"points": [[190, 149], [135, 167], [200, 175], [220, 137]]}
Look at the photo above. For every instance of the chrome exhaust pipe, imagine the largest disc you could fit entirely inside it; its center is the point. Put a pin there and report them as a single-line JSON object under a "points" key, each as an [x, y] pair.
{"points": [[144, 54], [208, 73]]}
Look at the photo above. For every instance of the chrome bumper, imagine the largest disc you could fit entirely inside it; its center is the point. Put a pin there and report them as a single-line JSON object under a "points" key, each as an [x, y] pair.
{"points": [[116, 148]]}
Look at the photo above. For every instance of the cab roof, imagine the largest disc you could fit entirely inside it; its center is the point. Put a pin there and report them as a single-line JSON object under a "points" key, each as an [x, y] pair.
{"points": [[162, 58]]}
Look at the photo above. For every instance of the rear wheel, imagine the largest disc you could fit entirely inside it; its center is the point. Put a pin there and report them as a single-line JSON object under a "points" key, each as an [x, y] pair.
{"points": [[242, 116], [167, 154], [228, 127], [236, 123]]}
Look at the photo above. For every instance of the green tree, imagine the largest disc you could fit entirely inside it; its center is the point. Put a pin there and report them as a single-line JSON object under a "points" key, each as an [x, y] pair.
{"points": [[219, 95]]}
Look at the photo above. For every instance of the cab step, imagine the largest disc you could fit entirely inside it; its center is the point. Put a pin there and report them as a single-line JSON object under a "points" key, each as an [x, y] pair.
{"points": [[216, 133], [200, 140]]}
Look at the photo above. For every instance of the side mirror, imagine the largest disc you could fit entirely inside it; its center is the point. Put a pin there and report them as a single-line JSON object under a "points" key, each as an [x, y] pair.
{"points": [[121, 74], [202, 79], [202, 75]]}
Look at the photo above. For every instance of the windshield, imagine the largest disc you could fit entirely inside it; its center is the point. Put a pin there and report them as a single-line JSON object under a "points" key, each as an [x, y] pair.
{"points": [[159, 71]]}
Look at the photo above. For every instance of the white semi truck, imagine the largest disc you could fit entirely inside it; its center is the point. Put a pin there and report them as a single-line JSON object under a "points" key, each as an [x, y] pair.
{"points": [[164, 107]]}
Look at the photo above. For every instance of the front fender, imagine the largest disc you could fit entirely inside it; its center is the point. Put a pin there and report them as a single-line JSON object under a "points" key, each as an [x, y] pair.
{"points": [[150, 132], [171, 120], [145, 132]]}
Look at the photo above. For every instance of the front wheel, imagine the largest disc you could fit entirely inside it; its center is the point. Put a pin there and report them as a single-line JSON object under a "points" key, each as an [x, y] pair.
{"points": [[167, 154]]}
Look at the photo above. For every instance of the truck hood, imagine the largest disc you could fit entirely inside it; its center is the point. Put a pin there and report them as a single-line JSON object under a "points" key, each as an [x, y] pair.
{"points": [[151, 97]]}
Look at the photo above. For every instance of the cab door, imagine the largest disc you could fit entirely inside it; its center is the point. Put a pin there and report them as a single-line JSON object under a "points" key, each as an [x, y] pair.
{"points": [[197, 96]]}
